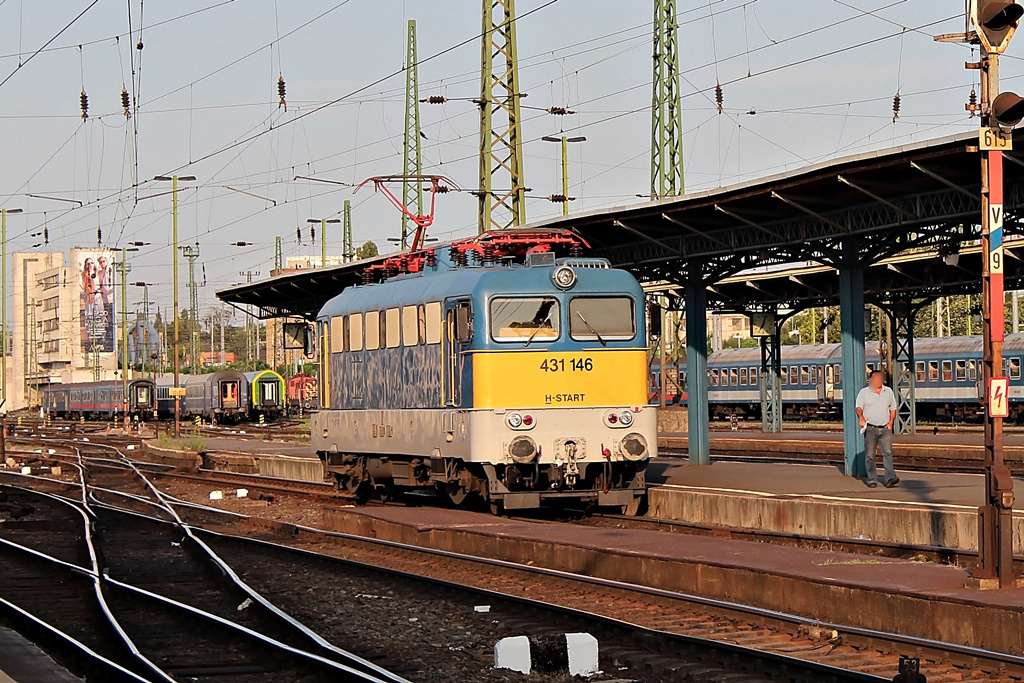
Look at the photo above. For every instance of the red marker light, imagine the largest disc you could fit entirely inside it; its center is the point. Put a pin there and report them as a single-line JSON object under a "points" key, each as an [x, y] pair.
{"points": [[613, 418], [527, 420]]}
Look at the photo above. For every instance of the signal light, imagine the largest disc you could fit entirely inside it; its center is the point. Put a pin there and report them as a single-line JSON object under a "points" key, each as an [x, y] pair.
{"points": [[996, 22], [1008, 108]]}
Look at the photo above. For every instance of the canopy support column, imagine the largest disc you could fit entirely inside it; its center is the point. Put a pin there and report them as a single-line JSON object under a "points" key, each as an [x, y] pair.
{"points": [[851, 313], [697, 370]]}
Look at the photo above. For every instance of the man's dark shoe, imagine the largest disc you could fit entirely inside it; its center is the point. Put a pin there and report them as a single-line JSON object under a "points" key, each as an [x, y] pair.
{"points": [[872, 484], [892, 482]]}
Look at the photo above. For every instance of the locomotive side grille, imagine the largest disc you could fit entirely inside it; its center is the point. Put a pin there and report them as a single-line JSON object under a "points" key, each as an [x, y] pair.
{"points": [[437, 468], [585, 263]]}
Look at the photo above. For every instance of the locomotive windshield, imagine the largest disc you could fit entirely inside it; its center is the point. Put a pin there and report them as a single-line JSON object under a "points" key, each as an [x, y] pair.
{"points": [[597, 318], [524, 319]]}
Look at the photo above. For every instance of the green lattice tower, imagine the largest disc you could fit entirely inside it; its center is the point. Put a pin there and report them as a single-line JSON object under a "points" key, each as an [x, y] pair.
{"points": [[666, 107], [278, 254], [502, 204], [192, 253], [348, 253], [412, 163]]}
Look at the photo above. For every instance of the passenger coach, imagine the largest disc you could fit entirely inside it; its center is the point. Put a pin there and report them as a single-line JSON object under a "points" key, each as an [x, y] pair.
{"points": [[515, 383]]}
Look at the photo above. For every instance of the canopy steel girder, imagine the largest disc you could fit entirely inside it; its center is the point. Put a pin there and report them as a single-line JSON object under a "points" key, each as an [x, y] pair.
{"points": [[412, 158], [500, 139], [666, 106]]}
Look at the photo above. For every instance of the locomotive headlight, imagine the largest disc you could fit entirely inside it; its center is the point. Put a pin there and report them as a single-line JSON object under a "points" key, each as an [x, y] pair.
{"points": [[564, 277], [633, 446], [514, 420], [625, 418]]}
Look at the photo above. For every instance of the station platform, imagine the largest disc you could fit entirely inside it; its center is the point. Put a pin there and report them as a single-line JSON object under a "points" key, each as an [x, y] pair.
{"points": [[922, 599], [23, 662], [924, 444], [925, 509]]}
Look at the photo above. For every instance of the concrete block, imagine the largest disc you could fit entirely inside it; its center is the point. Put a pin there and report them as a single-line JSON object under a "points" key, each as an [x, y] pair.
{"points": [[513, 653], [582, 648], [26, 470], [216, 495]]}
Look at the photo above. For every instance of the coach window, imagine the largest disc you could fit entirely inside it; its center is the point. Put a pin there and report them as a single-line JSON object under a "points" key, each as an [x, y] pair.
{"points": [[1015, 368], [373, 322], [794, 374], [714, 378], [393, 328], [919, 374], [355, 332], [600, 318], [753, 376], [410, 325], [947, 371], [784, 375], [337, 334], [805, 374], [433, 310], [933, 371], [972, 371], [525, 319], [734, 377], [743, 376], [961, 371], [814, 374]]}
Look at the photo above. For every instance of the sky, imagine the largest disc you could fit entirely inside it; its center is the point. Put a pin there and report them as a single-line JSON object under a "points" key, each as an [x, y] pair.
{"points": [[802, 82]]}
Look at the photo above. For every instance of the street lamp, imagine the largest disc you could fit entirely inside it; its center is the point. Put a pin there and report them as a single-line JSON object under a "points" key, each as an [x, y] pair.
{"points": [[796, 333], [323, 236], [739, 339], [174, 258], [3, 303], [124, 268], [563, 198]]}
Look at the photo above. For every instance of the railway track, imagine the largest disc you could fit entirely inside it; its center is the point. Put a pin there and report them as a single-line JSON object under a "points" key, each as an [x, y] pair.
{"points": [[675, 621], [142, 598]]}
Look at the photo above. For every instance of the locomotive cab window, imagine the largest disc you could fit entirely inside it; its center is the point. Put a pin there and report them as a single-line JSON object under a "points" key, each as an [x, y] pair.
{"points": [[600, 318], [337, 334], [373, 324], [525, 319]]}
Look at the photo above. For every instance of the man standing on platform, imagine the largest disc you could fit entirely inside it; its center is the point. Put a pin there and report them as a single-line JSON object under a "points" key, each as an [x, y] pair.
{"points": [[876, 408]]}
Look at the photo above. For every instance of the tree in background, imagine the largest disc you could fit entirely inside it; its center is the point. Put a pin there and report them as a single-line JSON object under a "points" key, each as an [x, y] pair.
{"points": [[367, 250]]}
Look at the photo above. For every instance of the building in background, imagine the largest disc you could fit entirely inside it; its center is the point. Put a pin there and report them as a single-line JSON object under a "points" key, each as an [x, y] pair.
{"points": [[64, 327]]}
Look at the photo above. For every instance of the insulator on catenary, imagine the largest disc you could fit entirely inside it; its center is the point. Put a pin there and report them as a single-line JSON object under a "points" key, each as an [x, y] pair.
{"points": [[298, 234], [312, 233], [718, 96], [435, 99], [560, 111], [126, 103], [896, 107], [972, 103], [46, 235], [280, 93], [83, 100], [99, 236]]}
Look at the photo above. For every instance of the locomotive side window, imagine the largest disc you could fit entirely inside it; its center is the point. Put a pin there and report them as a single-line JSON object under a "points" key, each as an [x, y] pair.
{"points": [[947, 371], [355, 332], [433, 313], [1015, 368], [410, 325], [463, 323], [596, 318], [919, 374], [525, 319], [933, 371], [337, 334], [373, 324], [961, 371]]}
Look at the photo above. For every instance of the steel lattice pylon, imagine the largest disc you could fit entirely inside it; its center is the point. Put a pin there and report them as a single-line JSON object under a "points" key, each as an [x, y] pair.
{"points": [[902, 316], [666, 107], [192, 253], [500, 142], [347, 252], [412, 163]]}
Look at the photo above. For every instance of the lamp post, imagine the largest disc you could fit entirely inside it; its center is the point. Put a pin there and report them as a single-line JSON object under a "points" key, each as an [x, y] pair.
{"points": [[123, 268], [796, 333], [174, 258], [563, 198], [3, 305], [323, 236]]}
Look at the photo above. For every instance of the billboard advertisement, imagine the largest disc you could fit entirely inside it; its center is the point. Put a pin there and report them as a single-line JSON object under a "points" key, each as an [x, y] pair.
{"points": [[95, 269]]}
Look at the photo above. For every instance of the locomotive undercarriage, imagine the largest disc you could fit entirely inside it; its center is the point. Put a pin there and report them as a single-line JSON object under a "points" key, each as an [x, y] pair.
{"points": [[499, 486]]}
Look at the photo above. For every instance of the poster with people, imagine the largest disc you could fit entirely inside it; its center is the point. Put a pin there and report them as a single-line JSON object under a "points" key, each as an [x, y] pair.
{"points": [[96, 278]]}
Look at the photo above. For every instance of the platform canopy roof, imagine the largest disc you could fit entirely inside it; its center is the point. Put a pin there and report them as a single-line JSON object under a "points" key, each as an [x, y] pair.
{"points": [[854, 211]]}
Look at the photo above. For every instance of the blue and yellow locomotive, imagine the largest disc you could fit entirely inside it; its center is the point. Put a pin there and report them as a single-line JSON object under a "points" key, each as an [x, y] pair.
{"points": [[503, 373]]}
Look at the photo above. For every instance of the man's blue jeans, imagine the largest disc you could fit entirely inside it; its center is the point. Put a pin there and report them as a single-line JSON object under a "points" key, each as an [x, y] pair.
{"points": [[874, 437]]}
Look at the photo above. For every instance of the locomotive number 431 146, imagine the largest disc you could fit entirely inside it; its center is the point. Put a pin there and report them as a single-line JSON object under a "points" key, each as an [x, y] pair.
{"points": [[567, 365]]}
